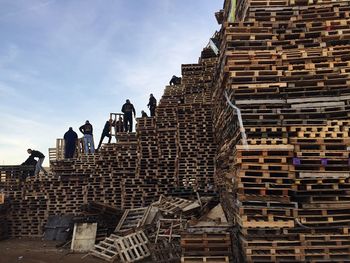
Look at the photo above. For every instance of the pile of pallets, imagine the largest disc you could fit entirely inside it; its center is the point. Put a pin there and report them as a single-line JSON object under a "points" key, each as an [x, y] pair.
{"points": [[128, 242], [129, 248], [285, 64], [167, 133], [322, 180], [195, 129], [3, 217], [264, 184], [172, 152], [205, 247], [144, 232]]}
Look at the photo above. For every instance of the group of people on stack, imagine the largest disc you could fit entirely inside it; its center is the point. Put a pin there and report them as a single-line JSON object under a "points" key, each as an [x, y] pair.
{"points": [[124, 123]]}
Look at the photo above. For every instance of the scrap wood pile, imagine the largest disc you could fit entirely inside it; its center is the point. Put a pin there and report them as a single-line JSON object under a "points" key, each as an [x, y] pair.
{"points": [[170, 230], [285, 64]]}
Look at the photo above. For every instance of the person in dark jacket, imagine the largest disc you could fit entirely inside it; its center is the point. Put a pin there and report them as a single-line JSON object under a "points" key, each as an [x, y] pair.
{"points": [[29, 162], [175, 81], [41, 157], [143, 114], [128, 109], [106, 133], [70, 143], [152, 104], [86, 129], [119, 125]]}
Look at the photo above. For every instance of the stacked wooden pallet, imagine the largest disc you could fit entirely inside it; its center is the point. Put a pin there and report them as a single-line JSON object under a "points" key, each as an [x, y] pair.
{"points": [[133, 172], [147, 161], [3, 217], [322, 180], [264, 185], [285, 64], [196, 148], [205, 247], [167, 133]]}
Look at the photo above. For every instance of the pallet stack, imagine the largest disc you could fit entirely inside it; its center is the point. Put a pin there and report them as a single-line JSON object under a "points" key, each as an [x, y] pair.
{"points": [[166, 127], [147, 161], [196, 148], [164, 156], [3, 217], [205, 247], [263, 186], [322, 180], [285, 64]]}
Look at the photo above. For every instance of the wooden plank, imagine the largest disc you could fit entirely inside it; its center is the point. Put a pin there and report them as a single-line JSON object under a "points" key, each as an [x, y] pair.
{"points": [[287, 147], [205, 259]]}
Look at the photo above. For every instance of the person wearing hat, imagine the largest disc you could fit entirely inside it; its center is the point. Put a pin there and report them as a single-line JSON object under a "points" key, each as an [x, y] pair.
{"points": [[128, 109], [86, 129]]}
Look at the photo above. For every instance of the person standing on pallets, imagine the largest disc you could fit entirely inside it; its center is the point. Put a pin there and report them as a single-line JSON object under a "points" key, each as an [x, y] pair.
{"points": [[128, 109], [152, 105], [86, 129], [119, 125], [41, 157], [70, 143], [106, 133]]}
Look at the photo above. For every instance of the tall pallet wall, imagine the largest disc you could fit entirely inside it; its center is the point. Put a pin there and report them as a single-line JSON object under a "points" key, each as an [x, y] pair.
{"points": [[286, 65]]}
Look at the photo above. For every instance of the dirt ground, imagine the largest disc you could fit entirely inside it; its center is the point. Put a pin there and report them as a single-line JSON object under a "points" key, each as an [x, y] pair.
{"points": [[38, 251]]}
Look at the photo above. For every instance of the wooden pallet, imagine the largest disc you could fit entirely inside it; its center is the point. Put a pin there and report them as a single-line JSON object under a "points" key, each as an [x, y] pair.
{"points": [[206, 244], [106, 249], [175, 205], [170, 228], [132, 219], [133, 247], [222, 259]]}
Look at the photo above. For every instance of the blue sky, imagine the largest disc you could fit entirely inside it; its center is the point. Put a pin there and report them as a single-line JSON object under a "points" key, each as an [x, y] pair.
{"points": [[66, 61]]}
